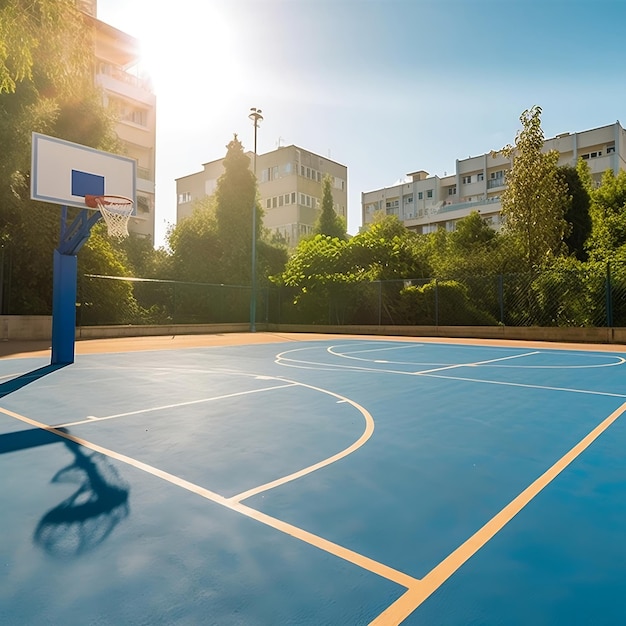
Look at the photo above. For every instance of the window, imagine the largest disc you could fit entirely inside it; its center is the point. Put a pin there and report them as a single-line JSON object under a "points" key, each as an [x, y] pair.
{"points": [[184, 197], [268, 203], [480, 176], [467, 180], [498, 174], [610, 149], [274, 202], [143, 204], [584, 157], [286, 198], [293, 197], [452, 191], [429, 193], [281, 199], [420, 195], [302, 170]]}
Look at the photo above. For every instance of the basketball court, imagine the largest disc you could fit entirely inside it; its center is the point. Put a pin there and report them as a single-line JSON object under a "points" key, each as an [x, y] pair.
{"points": [[303, 479]]}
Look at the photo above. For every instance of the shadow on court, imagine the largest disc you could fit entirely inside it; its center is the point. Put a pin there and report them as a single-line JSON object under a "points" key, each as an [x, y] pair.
{"points": [[87, 517], [18, 383]]}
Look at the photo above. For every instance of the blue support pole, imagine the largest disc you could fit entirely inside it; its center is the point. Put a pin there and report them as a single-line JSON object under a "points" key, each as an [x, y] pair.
{"points": [[64, 284], [64, 308]]}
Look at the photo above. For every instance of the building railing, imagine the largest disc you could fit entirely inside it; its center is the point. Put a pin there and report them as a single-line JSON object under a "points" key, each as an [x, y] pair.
{"points": [[117, 73]]}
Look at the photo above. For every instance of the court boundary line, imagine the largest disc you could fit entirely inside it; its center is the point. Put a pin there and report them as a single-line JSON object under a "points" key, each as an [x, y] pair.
{"points": [[385, 571], [397, 612], [417, 590]]}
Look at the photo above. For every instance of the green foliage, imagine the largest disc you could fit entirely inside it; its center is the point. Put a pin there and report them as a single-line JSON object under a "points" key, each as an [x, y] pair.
{"points": [[444, 303], [387, 250], [235, 197], [329, 223], [104, 301], [534, 202], [45, 86], [608, 214], [472, 233], [44, 40], [214, 244], [196, 247], [474, 249], [577, 213]]}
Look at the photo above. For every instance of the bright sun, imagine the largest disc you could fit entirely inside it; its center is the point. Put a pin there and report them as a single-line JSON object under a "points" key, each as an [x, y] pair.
{"points": [[190, 52]]}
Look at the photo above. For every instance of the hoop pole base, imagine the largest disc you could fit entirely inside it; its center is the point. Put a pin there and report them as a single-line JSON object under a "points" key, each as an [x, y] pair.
{"points": [[65, 272]]}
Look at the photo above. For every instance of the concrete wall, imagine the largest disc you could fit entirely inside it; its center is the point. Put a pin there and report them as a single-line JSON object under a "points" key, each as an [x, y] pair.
{"points": [[25, 327]]}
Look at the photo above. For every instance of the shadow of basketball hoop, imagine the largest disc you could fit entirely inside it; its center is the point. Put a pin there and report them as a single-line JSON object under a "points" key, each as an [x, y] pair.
{"points": [[83, 521]]}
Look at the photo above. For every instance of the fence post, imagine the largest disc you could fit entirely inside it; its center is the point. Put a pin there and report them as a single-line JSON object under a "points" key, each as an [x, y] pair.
{"points": [[436, 303], [609, 296], [174, 304], [380, 302], [501, 296]]}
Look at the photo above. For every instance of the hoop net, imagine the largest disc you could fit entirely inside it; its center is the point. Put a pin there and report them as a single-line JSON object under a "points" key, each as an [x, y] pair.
{"points": [[116, 211]]}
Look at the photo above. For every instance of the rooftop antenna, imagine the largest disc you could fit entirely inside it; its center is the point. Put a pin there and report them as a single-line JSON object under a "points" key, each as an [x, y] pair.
{"points": [[280, 140]]}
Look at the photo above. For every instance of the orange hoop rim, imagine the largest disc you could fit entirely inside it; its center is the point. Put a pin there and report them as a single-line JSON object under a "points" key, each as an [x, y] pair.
{"points": [[94, 202]]}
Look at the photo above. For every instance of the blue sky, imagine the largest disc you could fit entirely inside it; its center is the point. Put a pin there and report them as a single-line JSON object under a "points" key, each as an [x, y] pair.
{"points": [[385, 87]]}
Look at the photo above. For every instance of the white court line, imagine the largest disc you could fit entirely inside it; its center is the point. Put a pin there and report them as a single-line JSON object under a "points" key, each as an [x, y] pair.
{"points": [[475, 364], [331, 350], [526, 386], [361, 441], [92, 419]]}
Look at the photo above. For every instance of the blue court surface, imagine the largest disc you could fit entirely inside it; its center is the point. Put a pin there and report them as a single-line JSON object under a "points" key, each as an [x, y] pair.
{"points": [[333, 481]]}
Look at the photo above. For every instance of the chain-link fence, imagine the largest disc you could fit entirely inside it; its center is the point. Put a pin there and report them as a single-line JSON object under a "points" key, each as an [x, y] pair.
{"points": [[593, 296]]}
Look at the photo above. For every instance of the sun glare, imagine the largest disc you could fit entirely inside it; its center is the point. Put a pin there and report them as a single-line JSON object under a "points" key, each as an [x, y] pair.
{"points": [[190, 52]]}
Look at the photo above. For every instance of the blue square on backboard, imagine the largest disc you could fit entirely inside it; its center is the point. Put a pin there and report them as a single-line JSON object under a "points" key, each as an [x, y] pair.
{"points": [[84, 184]]}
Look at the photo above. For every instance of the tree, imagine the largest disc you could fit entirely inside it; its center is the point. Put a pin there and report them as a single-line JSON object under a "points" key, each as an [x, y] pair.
{"points": [[235, 196], [577, 212], [608, 211], [472, 232], [195, 245], [329, 223], [42, 41], [45, 86], [534, 202]]}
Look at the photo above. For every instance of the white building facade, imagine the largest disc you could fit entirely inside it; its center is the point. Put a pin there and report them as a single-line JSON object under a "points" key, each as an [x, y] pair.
{"points": [[290, 186], [426, 203], [116, 60]]}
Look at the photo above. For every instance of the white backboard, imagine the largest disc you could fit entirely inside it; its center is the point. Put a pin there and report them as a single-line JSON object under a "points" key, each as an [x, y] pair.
{"points": [[63, 172]]}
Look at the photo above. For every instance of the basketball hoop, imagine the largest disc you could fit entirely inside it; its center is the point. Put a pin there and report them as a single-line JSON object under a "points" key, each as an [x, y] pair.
{"points": [[116, 211]]}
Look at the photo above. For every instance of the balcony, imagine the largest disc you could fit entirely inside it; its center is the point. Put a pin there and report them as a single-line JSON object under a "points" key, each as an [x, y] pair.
{"points": [[495, 183]]}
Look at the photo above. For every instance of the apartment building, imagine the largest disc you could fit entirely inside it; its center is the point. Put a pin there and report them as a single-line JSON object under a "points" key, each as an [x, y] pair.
{"points": [[130, 95], [425, 203], [290, 186]]}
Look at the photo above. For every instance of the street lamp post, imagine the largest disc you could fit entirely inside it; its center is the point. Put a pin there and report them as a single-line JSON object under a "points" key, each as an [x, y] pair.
{"points": [[256, 117]]}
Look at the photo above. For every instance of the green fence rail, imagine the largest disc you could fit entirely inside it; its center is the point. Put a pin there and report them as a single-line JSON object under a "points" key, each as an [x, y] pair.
{"points": [[581, 298]]}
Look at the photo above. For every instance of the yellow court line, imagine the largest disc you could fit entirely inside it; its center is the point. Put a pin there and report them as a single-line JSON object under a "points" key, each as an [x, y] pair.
{"points": [[422, 589], [319, 542], [369, 430]]}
